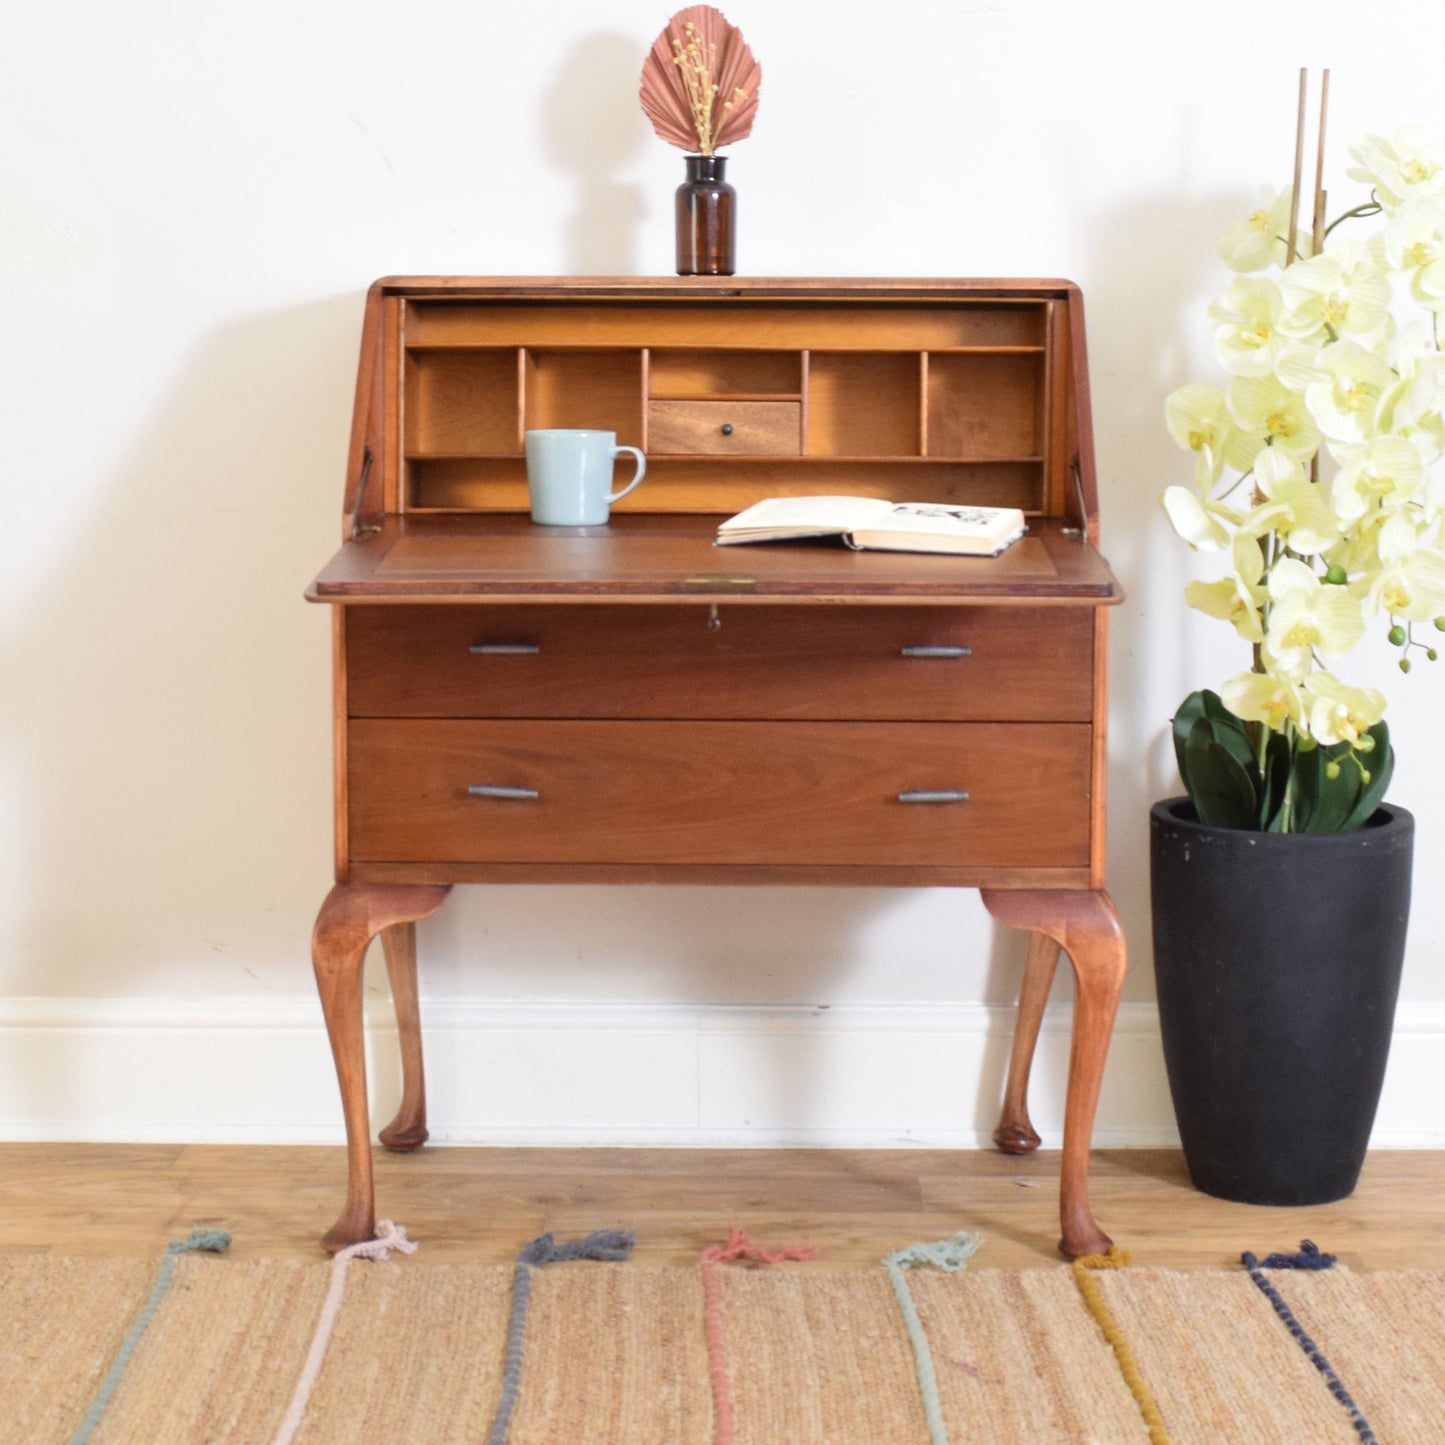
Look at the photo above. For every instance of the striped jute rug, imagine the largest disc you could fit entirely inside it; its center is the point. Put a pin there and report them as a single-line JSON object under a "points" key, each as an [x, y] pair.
{"points": [[793, 1354]]}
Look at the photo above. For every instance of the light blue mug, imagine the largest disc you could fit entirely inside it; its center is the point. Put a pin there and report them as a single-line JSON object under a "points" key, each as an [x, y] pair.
{"points": [[569, 475]]}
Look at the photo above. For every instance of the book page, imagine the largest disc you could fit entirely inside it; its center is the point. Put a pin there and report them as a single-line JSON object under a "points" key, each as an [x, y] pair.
{"points": [[819, 514], [947, 519]]}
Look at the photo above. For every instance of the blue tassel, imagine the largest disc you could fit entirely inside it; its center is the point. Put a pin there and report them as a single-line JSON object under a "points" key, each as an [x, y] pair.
{"points": [[608, 1244], [1309, 1257]]}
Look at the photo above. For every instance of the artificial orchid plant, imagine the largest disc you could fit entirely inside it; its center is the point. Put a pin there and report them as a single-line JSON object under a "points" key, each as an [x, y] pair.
{"points": [[1315, 472]]}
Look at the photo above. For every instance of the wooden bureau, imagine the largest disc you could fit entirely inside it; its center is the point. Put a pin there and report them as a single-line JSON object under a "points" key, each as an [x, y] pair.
{"points": [[630, 704]]}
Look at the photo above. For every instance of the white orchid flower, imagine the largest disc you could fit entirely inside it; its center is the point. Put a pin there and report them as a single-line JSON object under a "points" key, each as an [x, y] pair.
{"points": [[1200, 523], [1414, 236], [1358, 553], [1345, 403], [1264, 410], [1341, 294], [1409, 407], [1307, 615], [1410, 163], [1414, 243], [1247, 337], [1398, 538], [1340, 714], [1427, 436], [1410, 582], [1262, 697], [1293, 506], [1199, 421], [1385, 472], [1402, 534], [1261, 238], [1238, 600], [1298, 366]]}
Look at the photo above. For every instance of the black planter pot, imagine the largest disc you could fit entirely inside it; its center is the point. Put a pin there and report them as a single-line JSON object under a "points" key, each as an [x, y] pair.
{"points": [[1277, 959]]}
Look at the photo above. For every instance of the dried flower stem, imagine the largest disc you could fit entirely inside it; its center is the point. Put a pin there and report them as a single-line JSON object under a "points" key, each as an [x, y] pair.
{"points": [[695, 60]]}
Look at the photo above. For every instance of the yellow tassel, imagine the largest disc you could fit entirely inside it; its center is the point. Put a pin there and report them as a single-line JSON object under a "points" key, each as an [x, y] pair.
{"points": [[1099, 1308]]}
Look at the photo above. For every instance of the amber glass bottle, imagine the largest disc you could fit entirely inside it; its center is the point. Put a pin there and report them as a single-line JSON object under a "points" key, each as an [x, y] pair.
{"points": [[706, 210]]}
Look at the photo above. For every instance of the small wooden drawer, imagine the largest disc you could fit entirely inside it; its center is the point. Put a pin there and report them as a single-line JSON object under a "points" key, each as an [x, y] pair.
{"points": [[924, 663], [722, 793], [725, 428]]}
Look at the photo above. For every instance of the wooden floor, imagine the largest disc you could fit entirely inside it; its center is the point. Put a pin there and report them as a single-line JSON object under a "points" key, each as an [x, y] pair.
{"points": [[483, 1204]]}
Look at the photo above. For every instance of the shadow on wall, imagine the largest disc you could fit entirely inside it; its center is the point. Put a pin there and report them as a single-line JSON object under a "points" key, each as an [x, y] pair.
{"points": [[1139, 349], [167, 715], [592, 126]]}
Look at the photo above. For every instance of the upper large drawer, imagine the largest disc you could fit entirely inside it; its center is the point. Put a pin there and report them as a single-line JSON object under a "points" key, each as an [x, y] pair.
{"points": [[887, 663]]}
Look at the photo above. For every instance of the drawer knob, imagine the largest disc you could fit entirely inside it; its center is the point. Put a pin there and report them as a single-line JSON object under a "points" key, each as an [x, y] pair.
{"points": [[920, 651], [496, 790], [933, 795], [493, 649], [727, 428]]}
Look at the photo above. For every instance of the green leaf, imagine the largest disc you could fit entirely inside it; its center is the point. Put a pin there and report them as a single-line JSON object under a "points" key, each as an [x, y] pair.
{"points": [[1381, 763], [1331, 799], [1274, 785], [1229, 731], [1222, 789], [1190, 711], [1306, 777]]}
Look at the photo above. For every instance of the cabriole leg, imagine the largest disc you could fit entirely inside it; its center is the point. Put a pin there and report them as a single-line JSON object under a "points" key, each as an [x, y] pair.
{"points": [[407, 1131], [1015, 1133], [1085, 925], [350, 918]]}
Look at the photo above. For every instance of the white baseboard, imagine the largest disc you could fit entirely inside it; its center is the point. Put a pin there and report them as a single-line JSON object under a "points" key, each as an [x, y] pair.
{"points": [[876, 1076]]}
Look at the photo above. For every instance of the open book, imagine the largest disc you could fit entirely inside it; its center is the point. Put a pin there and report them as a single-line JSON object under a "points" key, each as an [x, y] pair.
{"points": [[872, 525]]}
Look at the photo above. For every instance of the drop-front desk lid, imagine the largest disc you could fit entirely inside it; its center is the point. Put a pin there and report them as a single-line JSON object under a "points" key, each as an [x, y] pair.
{"points": [[672, 558]]}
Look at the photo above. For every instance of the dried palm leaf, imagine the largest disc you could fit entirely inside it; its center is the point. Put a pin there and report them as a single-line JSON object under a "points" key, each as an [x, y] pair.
{"points": [[700, 81]]}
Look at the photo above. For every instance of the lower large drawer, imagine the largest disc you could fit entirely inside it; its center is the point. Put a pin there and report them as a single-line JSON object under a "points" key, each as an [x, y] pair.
{"points": [[962, 795]]}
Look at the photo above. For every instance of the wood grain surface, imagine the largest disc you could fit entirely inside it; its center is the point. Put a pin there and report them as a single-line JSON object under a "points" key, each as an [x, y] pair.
{"points": [[856, 1205], [800, 663]]}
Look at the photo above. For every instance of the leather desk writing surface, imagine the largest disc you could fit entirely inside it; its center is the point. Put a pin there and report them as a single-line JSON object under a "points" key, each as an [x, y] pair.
{"points": [[657, 558]]}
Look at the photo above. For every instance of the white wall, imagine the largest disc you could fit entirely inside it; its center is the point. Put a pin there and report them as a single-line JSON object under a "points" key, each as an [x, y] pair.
{"points": [[192, 202]]}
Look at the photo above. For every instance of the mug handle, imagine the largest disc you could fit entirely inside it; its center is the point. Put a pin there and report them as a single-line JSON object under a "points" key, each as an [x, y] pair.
{"points": [[641, 472]]}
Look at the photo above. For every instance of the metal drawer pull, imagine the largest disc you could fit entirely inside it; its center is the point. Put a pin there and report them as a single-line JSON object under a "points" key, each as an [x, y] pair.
{"points": [[495, 790], [492, 648], [933, 795], [936, 652]]}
